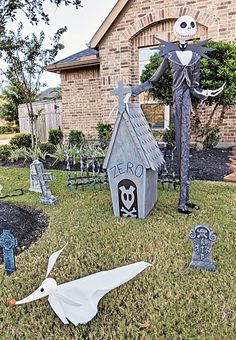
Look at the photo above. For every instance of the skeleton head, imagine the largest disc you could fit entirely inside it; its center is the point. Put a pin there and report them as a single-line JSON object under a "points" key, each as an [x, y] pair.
{"points": [[185, 28]]}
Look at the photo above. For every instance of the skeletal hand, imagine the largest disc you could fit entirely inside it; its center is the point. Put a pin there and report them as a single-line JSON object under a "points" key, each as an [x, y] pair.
{"points": [[213, 93]]}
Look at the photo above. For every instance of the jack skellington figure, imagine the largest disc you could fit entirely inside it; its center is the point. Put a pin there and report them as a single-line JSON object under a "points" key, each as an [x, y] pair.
{"points": [[184, 61]]}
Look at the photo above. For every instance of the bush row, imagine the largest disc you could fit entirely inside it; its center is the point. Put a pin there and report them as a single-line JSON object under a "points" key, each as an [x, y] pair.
{"points": [[76, 147], [58, 153], [9, 129], [55, 137]]}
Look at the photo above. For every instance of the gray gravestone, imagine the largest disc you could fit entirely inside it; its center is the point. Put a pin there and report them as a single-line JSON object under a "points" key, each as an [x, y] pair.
{"points": [[132, 162], [203, 239], [34, 182], [43, 179]]}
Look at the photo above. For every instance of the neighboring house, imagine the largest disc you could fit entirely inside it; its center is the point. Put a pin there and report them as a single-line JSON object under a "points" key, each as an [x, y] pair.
{"points": [[49, 113], [120, 49]]}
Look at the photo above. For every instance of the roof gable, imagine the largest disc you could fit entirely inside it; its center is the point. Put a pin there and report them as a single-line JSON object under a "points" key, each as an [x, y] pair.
{"points": [[142, 136], [78, 56], [89, 56], [107, 23]]}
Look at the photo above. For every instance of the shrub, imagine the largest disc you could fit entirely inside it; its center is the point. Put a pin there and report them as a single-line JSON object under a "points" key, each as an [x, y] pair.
{"points": [[9, 129], [212, 136], [168, 136], [21, 140], [17, 154], [47, 147], [55, 136], [36, 153], [4, 129], [58, 154], [104, 133], [16, 129], [5, 151], [76, 138]]}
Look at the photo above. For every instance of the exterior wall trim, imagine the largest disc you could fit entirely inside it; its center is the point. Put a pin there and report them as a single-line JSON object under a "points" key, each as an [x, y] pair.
{"points": [[107, 23], [164, 14], [57, 68]]}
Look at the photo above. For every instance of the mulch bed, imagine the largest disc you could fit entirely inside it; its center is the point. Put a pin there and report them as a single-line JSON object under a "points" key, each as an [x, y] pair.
{"points": [[26, 224], [208, 164]]}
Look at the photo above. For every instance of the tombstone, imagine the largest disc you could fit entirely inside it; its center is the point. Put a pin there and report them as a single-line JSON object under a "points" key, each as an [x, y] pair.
{"points": [[8, 242], [43, 179], [1, 189], [34, 183], [132, 162], [203, 239]]}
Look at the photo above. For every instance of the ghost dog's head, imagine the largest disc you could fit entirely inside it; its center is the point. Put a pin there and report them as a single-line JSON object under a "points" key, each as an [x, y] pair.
{"points": [[46, 287], [185, 28]]}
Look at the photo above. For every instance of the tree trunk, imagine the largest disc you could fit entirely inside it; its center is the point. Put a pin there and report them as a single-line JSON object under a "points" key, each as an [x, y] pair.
{"points": [[31, 120]]}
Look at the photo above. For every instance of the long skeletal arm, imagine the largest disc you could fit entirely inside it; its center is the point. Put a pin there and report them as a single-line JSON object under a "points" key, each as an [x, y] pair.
{"points": [[150, 83]]}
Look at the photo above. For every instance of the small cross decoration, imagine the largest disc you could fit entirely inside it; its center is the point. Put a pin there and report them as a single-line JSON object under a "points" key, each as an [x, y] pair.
{"points": [[120, 92], [8, 242], [43, 179]]}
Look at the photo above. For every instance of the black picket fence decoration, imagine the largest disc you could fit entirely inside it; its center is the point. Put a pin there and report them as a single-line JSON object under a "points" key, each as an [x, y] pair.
{"points": [[166, 174], [88, 174]]}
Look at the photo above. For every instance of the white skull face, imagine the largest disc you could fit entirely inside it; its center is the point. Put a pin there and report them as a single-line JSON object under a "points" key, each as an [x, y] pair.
{"points": [[185, 28]]}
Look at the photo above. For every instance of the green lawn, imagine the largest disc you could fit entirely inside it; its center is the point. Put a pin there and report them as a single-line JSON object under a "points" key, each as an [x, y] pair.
{"points": [[166, 301]]}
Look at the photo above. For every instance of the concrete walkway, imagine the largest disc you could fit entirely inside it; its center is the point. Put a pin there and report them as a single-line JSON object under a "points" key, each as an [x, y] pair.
{"points": [[232, 165], [4, 141]]}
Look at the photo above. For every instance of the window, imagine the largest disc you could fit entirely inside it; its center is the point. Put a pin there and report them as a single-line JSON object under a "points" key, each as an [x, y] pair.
{"points": [[157, 115]]}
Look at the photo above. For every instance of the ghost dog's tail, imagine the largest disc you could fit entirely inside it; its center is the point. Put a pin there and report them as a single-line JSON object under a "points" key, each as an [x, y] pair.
{"points": [[107, 280], [115, 277], [79, 298]]}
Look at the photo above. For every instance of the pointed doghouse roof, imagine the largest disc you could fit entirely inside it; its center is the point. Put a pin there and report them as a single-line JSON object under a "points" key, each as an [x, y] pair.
{"points": [[142, 136]]}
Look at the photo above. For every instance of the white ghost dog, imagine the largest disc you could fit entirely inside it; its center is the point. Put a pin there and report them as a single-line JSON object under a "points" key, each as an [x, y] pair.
{"points": [[77, 300]]}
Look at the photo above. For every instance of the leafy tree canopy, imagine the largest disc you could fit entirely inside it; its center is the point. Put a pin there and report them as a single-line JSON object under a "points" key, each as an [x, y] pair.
{"points": [[33, 9], [10, 99], [221, 67], [26, 59]]}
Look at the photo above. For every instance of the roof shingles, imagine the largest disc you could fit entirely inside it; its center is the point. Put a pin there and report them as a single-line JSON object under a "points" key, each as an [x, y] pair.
{"points": [[77, 56]]}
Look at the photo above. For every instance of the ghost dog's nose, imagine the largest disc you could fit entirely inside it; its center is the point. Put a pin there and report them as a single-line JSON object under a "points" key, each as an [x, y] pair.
{"points": [[12, 302]]}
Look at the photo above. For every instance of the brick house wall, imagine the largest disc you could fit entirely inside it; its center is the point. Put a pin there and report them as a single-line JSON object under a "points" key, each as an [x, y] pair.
{"points": [[86, 92], [81, 100]]}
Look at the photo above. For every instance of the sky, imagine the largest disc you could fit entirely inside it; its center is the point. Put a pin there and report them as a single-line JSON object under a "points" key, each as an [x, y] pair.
{"points": [[81, 24]]}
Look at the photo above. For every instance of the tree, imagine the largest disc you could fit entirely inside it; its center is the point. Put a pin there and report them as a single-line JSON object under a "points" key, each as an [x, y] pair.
{"points": [[215, 71], [33, 9], [10, 99], [26, 59]]}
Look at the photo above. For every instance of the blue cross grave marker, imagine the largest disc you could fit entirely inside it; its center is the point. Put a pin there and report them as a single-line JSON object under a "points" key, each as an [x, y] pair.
{"points": [[8, 242], [202, 240], [120, 92]]}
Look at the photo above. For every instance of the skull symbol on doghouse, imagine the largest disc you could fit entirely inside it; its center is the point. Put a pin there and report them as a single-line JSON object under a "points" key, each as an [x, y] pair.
{"points": [[128, 198], [185, 28]]}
